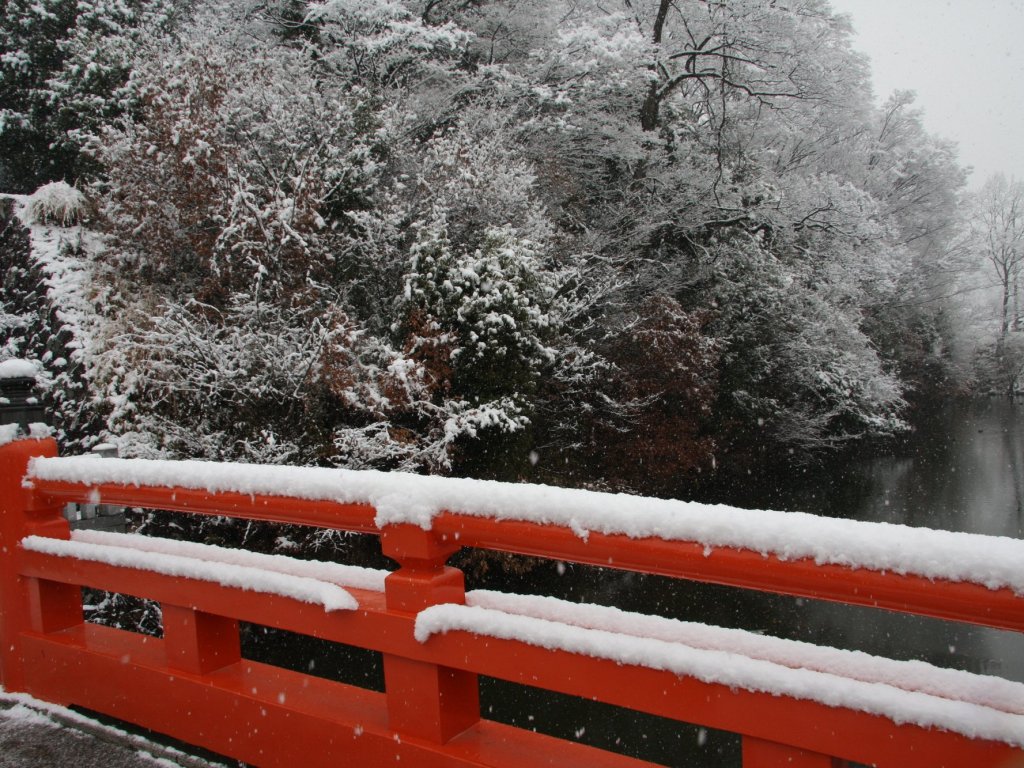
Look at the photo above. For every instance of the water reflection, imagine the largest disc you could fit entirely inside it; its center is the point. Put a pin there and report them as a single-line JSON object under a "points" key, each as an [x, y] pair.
{"points": [[961, 471]]}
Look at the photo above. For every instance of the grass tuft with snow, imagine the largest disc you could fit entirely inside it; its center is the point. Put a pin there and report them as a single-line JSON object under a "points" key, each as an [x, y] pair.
{"points": [[57, 203]]}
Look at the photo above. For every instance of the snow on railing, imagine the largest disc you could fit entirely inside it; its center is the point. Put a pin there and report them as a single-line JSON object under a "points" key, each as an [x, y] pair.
{"points": [[303, 588], [793, 703], [316, 570], [905, 692], [418, 500], [786, 552]]}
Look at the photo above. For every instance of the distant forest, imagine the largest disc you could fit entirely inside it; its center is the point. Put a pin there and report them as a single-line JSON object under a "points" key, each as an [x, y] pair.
{"points": [[628, 246]]}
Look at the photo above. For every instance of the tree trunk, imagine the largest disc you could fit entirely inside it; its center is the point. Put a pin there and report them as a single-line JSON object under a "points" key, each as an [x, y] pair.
{"points": [[1004, 324], [1016, 296], [652, 103], [650, 109]]}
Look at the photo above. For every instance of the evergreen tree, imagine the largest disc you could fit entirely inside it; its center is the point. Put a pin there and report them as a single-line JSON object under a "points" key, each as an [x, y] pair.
{"points": [[63, 68]]}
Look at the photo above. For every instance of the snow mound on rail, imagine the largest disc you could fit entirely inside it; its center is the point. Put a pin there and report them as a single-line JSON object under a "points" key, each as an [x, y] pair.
{"points": [[335, 573], [983, 690], [991, 561], [743, 661], [302, 588]]}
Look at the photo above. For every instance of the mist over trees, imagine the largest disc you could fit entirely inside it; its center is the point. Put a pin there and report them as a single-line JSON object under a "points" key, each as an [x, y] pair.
{"points": [[627, 246], [993, 242]]}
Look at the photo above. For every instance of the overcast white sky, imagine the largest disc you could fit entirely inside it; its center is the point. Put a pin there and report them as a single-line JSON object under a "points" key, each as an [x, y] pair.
{"points": [[965, 60]]}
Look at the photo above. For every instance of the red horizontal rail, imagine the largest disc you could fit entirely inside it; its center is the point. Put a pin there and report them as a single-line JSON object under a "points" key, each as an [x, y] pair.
{"points": [[275, 509], [194, 685], [805, 724], [940, 599], [271, 717], [957, 601]]}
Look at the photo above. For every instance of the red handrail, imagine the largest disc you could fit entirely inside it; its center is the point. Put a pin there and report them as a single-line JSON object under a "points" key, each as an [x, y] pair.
{"points": [[194, 685], [955, 601]]}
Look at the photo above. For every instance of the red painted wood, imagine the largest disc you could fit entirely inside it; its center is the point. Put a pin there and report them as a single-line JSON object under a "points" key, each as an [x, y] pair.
{"points": [[194, 686], [748, 569], [758, 753], [427, 700], [277, 509], [199, 642], [25, 603], [271, 717], [368, 627], [809, 726]]}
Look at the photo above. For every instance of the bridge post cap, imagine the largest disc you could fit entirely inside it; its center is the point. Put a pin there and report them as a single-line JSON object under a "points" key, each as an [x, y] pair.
{"points": [[405, 542]]}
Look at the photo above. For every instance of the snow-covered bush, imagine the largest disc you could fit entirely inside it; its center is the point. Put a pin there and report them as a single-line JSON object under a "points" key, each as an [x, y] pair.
{"points": [[236, 173], [383, 44], [246, 382], [491, 305], [487, 317]]}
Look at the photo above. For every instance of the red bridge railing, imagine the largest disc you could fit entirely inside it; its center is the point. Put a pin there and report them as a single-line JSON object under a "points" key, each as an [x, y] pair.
{"points": [[794, 705]]}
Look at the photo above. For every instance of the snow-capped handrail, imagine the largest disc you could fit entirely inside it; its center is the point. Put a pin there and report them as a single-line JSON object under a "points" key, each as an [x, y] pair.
{"points": [[435, 640], [942, 574], [331, 573], [329, 596], [907, 691]]}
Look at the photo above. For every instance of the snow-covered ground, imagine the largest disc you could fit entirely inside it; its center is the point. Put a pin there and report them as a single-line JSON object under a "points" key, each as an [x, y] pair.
{"points": [[36, 734], [68, 280]]}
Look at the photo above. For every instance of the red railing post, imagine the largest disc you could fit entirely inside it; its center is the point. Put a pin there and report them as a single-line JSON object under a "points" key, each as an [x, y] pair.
{"points": [[28, 604], [199, 642], [425, 700], [758, 753]]}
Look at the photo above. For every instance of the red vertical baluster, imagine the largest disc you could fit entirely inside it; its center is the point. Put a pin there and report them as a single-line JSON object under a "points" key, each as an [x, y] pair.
{"points": [[758, 753], [199, 642], [425, 700]]}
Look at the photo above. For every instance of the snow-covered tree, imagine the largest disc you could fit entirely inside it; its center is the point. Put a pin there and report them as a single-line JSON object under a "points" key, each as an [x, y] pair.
{"points": [[798, 369], [63, 69], [463, 219], [664, 376], [235, 173], [997, 227], [383, 45]]}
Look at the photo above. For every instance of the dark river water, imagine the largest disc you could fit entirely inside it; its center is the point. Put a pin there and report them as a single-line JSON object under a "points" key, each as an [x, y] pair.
{"points": [[962, 471]]}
